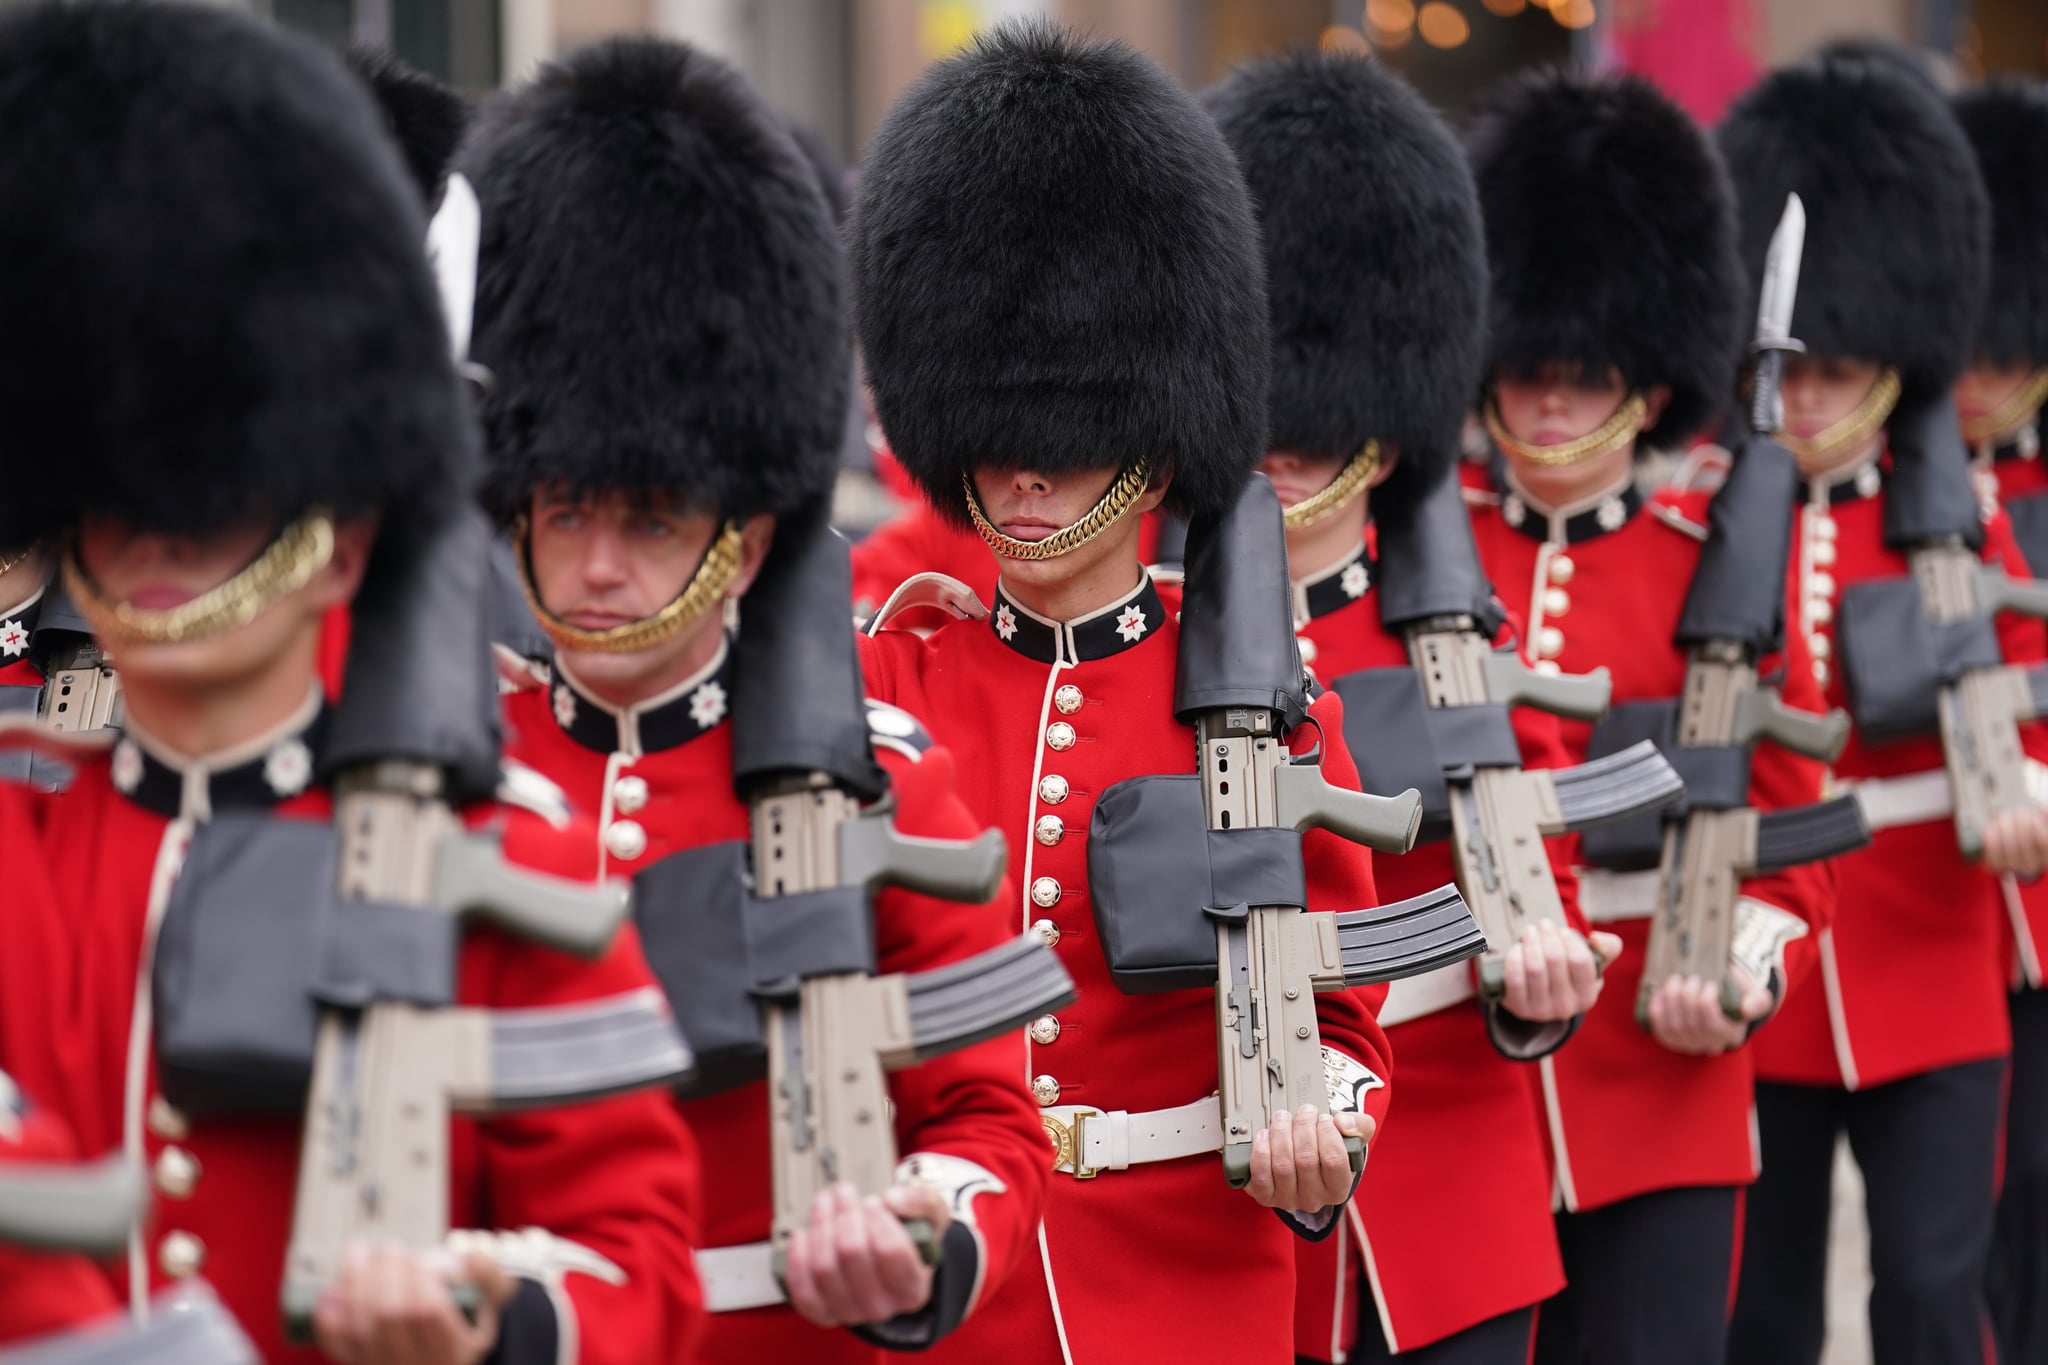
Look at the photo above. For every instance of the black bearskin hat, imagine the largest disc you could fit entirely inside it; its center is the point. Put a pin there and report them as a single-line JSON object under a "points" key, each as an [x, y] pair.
{"points": [[1897, 224], [1610, 230], [425, 117], [1056, 266], [2008, 125], [214, 303], [1375, 261], [660, 295]]}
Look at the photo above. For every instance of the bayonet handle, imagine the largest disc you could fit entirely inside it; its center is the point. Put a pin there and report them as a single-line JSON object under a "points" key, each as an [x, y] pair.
{"points": [[471, 877], [1575, 696], [874, 854], [1304, 799]]}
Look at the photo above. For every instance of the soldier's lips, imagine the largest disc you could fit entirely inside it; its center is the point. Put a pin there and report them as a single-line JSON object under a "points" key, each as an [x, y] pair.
{"points": [[1028, 529], [159, 596], [597, 620]]}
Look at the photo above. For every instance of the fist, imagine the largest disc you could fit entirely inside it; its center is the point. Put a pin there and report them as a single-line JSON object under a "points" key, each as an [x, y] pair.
{"points": [[854, 1264], [1299, 1161], [2016, 841], [1686, 1014], [1553, 973], [391, 1305]]}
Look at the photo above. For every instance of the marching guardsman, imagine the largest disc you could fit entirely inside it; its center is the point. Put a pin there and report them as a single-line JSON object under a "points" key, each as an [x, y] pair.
{"points": [[1056, 273], [2000, 399], [258, 415], [1449, 1245], [1890, 291], [661, 305], [1615, 319]]}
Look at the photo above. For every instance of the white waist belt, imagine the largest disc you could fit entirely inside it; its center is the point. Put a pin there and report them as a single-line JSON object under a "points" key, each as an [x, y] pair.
{"points": [[739, 1277], [1412, 997], [1888, 802], [1607, 897], [1089, 1141]]}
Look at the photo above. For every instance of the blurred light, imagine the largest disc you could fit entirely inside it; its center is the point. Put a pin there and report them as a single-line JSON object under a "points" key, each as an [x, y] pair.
{"points": [[1546, 4], [1389, 17], [1507, 9], [1573, 13], [1441, 25], [946, 26], [1344, 38]]}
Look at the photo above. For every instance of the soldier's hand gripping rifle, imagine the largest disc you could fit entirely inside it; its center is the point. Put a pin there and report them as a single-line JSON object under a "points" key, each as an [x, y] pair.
{"points": [[1240, 683], [1734, 614], [1433, 589], [824, 843]]}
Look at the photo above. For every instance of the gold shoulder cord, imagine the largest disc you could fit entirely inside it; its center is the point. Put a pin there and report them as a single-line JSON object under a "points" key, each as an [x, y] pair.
{"points": [[705, 590], [287, 564], [1121, 497], [1351, 480], [1611, 435], [1852, 431], [2012, 414]]}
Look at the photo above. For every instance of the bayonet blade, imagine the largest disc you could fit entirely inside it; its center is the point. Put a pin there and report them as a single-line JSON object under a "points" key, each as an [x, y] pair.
{"points": [[1774, 315], [453, 240]]}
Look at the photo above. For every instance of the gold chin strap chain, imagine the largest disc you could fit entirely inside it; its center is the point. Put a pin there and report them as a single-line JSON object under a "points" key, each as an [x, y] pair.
{"points": [[1611, 435], [1995, 427], [1852, 432], [1351, 480], [705, 590], [287, 564], [1122, 496], [10, 560]]}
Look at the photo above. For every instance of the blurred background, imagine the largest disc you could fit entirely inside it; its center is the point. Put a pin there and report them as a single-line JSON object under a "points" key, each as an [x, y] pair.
{"points": [[835, 65]]}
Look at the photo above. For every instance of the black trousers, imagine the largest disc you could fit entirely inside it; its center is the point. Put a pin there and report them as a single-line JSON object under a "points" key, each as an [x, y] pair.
{"points": [[1927, 1146], [1646, 1281], [1497, 1341], [2017, 1284]]}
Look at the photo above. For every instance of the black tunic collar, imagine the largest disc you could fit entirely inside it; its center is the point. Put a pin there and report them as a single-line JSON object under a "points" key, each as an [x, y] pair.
{"points": [[18, 627], [1852, 483], [1333, 588], [1597, 516], [262, 772], [1123, 624], [691, 709]]}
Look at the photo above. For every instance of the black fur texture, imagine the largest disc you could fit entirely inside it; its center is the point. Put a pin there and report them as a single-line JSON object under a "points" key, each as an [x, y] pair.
{"points": [[215, 299], [1610, 231], [426, 117], [1375, 262], [661, 295], [1056, 266], [2007, 123], [1897, 223]]}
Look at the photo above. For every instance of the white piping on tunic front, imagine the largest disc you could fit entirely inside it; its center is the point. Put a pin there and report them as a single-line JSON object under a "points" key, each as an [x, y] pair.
{"points": [[170, 858], [1343, 1278], [1052, 1295], [1566, 1194], [1052, 678], [1372, 1278], [1838, 1014]]}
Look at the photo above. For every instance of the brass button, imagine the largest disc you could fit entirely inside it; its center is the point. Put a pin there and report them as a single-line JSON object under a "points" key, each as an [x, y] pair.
{"points": [[1820, 645], [1068, 699], [625, 840], [1821, 585], [629, 795], [1823, 552], [1045, 1029], [1561, 569], [1824, 528], [1308, 649], [1059, 736], [177, 1173], [1045, 928], [1556, 601], [1052, 789], [1050, 830], [1045, 1090], [180, 1255], [1820, 673], [1550, 642], [1548, 667], [1821, 610], [166, 1122]]}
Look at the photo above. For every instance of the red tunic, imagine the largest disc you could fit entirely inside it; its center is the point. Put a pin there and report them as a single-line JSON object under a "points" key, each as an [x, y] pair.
{"points": [[661, 776], [1916, 922], [1161, 1261], [1437, 1250], [618, 1177], [42, 1292], [1625, 1115]]}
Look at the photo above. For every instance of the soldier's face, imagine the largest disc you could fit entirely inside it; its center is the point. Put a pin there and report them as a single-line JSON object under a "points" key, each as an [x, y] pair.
{"points": [[1029, 504], [1819, 391], [152, 570], [1983, 389], [1296, 477], [1557, 403]]}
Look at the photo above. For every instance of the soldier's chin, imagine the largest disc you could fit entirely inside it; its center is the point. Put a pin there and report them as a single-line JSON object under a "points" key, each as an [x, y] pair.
{"points": [[232, 655]]}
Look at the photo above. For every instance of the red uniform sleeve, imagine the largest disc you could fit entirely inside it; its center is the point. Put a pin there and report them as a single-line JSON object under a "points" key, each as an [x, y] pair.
{"points": [[1778, 779], [618, 1178], [1340, 878], [964, 1121]]}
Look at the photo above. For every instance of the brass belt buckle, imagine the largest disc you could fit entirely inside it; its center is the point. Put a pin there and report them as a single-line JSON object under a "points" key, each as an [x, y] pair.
{"points": [[1066, 1141]]}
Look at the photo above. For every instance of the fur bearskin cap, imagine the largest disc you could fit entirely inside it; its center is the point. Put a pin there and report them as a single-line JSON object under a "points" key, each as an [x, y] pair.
{"points": [[1056, 266], [2008, 125], [660, 296], [426, 117], [1897, 223], [1375, 261], [1610, 231], [215, 300]]}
